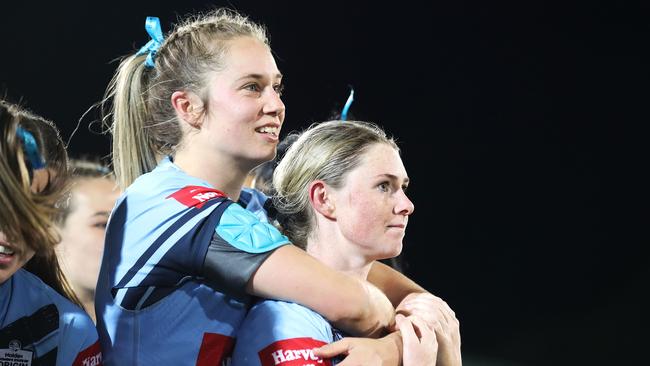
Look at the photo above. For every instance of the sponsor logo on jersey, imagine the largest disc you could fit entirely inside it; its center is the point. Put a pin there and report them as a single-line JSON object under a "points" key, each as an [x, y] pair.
{"points": [[292, 352], [215, 350], [91, 356], [195, 196]]}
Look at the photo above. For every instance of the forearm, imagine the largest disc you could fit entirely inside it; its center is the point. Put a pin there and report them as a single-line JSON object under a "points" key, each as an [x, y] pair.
{"points": [[393, 348], [352, 305], [395, 285], [385, 351]]}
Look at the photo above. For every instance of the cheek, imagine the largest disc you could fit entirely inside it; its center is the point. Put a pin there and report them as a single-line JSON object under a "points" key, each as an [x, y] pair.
{"points": [[82, 240], [363, 218]]}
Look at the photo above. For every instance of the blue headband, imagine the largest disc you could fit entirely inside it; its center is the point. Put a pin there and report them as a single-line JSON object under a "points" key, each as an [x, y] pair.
{"points": [[31, 148], [152, 25], [348, 103]]}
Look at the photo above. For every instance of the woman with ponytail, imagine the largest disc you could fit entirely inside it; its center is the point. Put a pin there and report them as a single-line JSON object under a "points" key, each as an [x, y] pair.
{"points": [[191, 115]]}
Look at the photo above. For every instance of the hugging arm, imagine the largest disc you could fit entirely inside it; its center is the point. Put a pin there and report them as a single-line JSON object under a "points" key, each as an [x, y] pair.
{"points": [[352, 305]]}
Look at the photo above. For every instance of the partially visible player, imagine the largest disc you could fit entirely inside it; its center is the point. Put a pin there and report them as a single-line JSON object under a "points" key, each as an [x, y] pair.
{"points": [[93, 192], [40, 320]]}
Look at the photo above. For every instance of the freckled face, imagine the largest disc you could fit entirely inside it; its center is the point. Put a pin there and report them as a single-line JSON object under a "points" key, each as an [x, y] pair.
{"points": [[372, 208], [245, 112]]}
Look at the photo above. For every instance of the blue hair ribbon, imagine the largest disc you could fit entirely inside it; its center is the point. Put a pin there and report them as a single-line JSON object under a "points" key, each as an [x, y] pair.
{"points": [[31, 148], [152, 25], [348, 103]]}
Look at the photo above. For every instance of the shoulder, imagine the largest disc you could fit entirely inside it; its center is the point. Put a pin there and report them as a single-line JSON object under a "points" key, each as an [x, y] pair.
{"points": [[71, 316], [76, 330], [164, 178], [287, 320], [275, 332], [244, 230]]}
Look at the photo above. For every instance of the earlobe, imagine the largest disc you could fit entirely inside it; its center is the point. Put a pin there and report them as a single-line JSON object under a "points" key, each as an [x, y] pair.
{"points": [[321, 200]]}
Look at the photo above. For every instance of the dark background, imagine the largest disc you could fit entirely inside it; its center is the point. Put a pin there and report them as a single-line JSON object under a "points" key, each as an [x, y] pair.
{"points": [[521, 124]]}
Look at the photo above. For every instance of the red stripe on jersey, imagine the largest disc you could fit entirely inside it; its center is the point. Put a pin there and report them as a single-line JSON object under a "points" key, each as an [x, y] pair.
{"points": [[192, 196], [91, 356], [214, 348], [292, 352]]}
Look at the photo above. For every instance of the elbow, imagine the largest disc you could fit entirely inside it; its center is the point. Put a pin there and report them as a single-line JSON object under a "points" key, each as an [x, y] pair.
{"points": [[363, 314], [353, 311]]}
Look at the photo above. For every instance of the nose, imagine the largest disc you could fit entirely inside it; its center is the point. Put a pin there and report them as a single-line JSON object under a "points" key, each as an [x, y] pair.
{"points": [[404, 205], [273, 105]]}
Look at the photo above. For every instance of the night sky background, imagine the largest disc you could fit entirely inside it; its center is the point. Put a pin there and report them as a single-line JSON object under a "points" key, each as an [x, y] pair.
{"points": [[522, 127]]}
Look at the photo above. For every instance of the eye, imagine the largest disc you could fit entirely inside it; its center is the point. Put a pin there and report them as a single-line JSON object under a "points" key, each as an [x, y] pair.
{"points": [[100, 225], [254, 87], [405, 188], [384, 187], [279, 89]]}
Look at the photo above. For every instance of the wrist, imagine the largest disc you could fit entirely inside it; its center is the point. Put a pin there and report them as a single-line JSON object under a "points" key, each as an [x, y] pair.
{"points": [[393, 348]]}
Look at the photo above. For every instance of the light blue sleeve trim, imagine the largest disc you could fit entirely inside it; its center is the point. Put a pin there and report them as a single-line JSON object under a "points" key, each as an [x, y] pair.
{"points": [[243, 230]]}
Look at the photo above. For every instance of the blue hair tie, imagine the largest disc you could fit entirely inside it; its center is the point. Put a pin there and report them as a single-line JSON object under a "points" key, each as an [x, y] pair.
{"points": [[31, 148], [348, 103], [152, 25]]}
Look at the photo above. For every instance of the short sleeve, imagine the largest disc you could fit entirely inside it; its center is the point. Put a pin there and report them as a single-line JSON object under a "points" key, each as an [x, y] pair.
{"points": [[239, 246], [243, 230]]}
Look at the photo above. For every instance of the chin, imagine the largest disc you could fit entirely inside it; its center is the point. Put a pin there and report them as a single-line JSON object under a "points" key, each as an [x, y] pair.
{"points": [[393, 251]]}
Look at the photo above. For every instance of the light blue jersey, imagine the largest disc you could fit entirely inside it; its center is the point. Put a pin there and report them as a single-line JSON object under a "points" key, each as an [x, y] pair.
{"points": [[279, 333], [177, 258], [38, 326]]}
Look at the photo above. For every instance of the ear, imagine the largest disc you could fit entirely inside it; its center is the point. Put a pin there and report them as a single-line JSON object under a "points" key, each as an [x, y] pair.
{"points": [[189, 107], [41, 178], [321, 200]]}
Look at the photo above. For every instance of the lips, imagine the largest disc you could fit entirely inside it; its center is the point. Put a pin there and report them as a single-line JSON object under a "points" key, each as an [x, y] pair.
{"points": [[6, 250], [7, 254], [272, 130]]}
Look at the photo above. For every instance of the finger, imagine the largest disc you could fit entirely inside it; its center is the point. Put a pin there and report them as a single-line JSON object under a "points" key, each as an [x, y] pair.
{"points": [[424, 304], [420, 325], [333, 349], [427, 335], [408, 332]]}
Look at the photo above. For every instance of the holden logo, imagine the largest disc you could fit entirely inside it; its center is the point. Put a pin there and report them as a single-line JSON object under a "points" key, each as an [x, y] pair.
{"points": [[15, 345]]}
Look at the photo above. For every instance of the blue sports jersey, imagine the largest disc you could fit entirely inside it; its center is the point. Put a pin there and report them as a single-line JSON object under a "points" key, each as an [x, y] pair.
{"points": [[177, 258], [254, 201], [279, 333], [38, 326]]}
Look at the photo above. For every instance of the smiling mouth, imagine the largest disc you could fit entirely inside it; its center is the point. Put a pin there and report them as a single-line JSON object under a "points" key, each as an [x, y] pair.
{"points": [[269, 130], [6, 251]]}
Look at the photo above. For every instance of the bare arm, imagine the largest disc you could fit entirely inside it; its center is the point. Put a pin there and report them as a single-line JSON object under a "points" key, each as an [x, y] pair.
{"points": [[352, 305], [411, 299], [391, 282], [385, 351]]}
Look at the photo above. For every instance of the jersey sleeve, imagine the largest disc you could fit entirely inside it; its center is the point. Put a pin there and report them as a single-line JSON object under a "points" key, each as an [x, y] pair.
{"points": [[241, 243], [279, 333]]}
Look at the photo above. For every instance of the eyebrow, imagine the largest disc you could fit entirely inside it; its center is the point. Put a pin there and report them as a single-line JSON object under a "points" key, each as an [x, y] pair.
{"points": [[259, 76], [394, 177], [101, 213]]}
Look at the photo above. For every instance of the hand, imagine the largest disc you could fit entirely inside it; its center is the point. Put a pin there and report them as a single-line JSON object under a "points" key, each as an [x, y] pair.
{"points": [[438, 316], [364, 351], [418, 350]]}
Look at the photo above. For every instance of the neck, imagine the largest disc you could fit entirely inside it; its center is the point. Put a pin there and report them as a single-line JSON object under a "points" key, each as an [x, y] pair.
{"points": [[223, 174], [330, 247], [87, 299]]}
